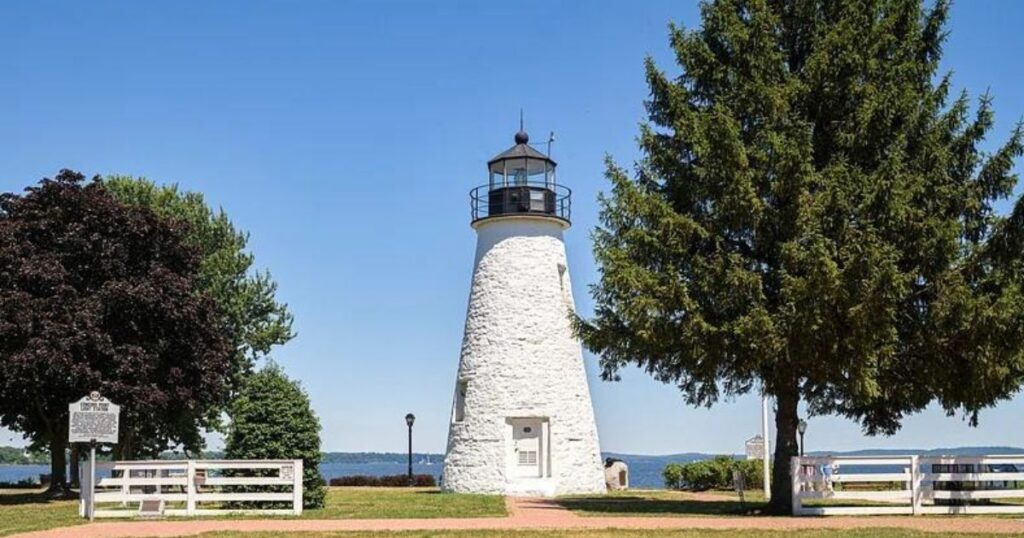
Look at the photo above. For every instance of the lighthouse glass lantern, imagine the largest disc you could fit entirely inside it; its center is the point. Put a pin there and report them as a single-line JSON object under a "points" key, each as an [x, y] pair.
{"points": [[522, 423], [521, 180]]}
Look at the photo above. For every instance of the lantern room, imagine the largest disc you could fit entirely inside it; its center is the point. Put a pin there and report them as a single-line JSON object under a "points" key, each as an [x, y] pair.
{"points": [[521, 182]]}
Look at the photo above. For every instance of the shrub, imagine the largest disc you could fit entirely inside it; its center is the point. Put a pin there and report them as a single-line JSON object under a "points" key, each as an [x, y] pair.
{"points": [[752, 472], [721, 468], [715, 473], [24, 483], [700, 476], [392, 481], [673, 476], [271, 419], [358, 480]]}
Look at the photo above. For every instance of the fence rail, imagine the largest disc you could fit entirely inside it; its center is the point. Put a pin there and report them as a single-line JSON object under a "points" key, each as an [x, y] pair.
{"points": [[192, 487], [908, 485]]}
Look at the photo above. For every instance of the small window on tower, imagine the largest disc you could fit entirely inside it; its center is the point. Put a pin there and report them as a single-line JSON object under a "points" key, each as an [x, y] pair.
{"points": [[460, 401], [564, 284]]}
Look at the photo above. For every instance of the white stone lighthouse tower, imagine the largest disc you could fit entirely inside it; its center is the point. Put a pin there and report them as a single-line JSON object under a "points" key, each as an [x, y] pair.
{"points": [[522, 422]]}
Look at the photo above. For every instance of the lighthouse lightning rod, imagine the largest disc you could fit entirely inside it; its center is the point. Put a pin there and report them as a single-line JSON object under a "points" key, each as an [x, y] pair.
{"points": [[551, 137]]}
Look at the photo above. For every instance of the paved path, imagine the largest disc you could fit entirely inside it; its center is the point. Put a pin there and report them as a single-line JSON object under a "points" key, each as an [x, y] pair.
{"points": [[527, 514]]}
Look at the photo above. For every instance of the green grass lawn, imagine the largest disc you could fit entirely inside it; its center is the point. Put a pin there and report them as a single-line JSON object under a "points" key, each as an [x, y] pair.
{"points": [[394, 503], [660, 503], [22, 511], [664, 503], [609, 533]]}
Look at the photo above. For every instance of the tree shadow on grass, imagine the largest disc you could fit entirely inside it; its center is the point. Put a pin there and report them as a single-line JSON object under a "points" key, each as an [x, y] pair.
{"points": [[11, 499], [635, 505]]}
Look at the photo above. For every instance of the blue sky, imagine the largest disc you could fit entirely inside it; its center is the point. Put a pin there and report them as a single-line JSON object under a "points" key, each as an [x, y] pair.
{"points": [[345, 136]]}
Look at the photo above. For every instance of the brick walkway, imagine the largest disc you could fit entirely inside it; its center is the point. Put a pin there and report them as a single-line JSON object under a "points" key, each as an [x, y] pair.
{"points": [[528, 514]]}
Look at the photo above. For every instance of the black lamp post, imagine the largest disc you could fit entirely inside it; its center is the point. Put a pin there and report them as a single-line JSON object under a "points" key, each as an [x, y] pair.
{"points": [[801, 427], [409, 419]]}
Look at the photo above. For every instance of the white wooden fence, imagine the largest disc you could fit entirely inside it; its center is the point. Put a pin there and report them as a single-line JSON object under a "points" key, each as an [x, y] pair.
{"points": [[908, 485], [190, 488]]}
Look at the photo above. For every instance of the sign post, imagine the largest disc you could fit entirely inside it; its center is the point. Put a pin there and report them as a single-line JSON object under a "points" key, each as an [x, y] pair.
{"points": [[93, 419], [766, 449]]}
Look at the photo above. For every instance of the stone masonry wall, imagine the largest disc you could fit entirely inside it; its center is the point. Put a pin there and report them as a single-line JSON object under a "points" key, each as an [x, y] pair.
{"points": [[519, 359]]}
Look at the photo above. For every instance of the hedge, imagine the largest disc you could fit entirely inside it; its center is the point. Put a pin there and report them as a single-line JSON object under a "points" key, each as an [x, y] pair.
{"points": [[392, 481], [712, 474]]}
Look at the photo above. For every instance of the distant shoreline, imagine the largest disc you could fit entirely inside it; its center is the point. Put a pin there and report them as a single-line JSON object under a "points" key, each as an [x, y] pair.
{"points": [[426, 458], [645, 470]]}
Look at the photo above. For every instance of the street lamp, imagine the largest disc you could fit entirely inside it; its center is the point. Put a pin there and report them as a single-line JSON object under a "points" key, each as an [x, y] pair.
{"points": [[409, 419], [802, 428]]}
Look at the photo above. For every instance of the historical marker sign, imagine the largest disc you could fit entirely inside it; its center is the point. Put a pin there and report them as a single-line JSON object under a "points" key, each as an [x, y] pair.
{"points": [[93, 419]]}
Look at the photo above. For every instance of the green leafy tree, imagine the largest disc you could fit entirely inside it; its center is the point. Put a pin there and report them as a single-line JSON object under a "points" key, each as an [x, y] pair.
{"points": [[812, 217], [271, 418], [19, 456], [251, 317], [98, 295], [256, 320]]}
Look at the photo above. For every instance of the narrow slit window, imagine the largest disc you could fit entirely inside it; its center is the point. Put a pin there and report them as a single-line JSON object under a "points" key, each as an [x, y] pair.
{"points": [[460, 401]]}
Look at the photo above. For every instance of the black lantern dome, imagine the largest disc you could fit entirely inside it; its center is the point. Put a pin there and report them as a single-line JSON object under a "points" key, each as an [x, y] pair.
{"points": [[521, 180]]}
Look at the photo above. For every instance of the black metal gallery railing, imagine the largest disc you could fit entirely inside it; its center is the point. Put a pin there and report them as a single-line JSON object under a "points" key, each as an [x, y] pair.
{"points": [[547, 199]]}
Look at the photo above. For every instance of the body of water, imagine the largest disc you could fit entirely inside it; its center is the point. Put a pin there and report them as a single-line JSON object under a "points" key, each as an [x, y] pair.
{"points": [[17, 473], [643, 474]]}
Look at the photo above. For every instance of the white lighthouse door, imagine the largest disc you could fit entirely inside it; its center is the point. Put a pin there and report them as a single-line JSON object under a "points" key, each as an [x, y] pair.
{"points": [[527, 458]]}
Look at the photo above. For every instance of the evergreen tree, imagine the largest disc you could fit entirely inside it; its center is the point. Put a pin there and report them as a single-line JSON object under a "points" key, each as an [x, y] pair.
{"points": [[812, 217], [271, 418]]}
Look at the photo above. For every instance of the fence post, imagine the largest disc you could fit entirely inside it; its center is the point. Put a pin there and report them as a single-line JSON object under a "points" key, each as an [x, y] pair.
{"points": [[190, 489], [125, 487], [794, 473], [297, 487], [915, 486]]}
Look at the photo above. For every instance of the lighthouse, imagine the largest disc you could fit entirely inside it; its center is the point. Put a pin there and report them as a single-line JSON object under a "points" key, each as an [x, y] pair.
{"points": [[522, 422]]}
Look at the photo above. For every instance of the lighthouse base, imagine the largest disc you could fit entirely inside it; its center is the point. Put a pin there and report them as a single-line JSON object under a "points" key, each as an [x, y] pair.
{"points": [[531, 487], [525, 456]]}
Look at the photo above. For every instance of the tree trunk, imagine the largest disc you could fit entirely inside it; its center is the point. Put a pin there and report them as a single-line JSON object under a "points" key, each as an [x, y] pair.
{"points": [[74, 464], [126, 446], [58, 468], [785, 448]]}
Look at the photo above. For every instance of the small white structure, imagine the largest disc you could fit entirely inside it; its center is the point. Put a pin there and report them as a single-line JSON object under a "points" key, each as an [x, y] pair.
{"points": [[190, 488], [522, 422], [616, 474]]}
